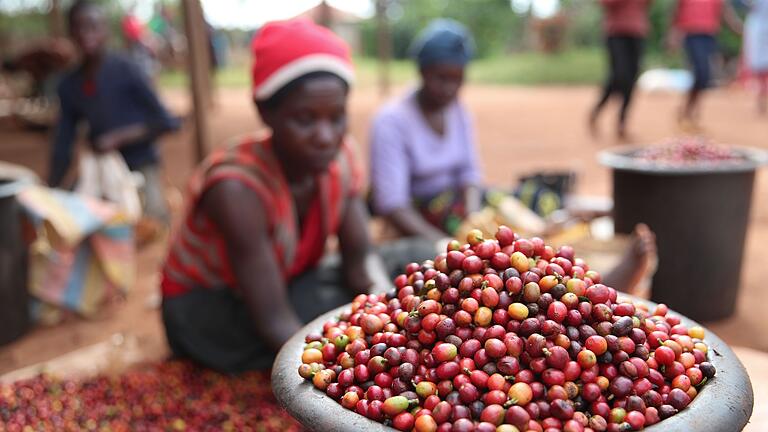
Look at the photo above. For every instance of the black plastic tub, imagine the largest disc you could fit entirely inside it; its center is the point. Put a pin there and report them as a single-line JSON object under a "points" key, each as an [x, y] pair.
{"points": [[14, 299], [700, 214]]}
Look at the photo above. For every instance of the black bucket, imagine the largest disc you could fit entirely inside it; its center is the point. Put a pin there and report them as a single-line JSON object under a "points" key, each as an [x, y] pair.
{"points": [[14, 297], [700, 216]]}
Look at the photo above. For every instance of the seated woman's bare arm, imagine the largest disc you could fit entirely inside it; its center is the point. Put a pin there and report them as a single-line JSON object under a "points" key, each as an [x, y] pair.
{"points": [[362, 267], [410, 223], [238, 214]]}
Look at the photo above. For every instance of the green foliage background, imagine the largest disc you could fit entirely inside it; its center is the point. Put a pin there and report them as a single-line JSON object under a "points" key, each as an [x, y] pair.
{"points": [[506, 40]]}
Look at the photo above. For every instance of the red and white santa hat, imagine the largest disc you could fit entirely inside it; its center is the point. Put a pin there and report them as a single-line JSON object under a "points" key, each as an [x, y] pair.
{"points": [[286, 50]]}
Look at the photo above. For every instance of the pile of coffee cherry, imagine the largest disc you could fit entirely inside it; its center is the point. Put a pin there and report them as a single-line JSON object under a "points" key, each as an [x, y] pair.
{"points": [[507, 334], [688, 151]]}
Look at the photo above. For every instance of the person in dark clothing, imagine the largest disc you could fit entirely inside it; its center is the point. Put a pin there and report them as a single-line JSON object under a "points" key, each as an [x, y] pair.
{"points": [[626, 27], [114, 98]]}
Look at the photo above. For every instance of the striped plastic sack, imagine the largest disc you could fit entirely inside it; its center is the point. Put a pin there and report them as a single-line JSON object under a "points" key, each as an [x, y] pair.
{"points": [[83, 252]]}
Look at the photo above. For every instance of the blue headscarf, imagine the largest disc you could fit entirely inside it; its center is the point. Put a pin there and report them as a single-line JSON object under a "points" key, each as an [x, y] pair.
{"points": [[443, 41]]}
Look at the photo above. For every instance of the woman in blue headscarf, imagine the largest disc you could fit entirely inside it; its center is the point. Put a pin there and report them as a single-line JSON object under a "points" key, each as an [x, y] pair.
{"points": [[424, 168], [425, 175]]}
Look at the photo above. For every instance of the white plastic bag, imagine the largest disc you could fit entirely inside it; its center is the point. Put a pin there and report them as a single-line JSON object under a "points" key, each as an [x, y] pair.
{"points": [[106, 176], [665, 80]]}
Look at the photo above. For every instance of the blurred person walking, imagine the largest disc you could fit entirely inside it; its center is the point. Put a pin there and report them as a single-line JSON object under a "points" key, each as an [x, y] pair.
{"points": [[115, 99], [756, 50], [626, 25], [696, 24]]}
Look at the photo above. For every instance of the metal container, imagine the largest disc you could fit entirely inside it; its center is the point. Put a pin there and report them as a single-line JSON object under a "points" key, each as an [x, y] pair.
{"points": [[723, 404], [700, 215], [14, 300]]}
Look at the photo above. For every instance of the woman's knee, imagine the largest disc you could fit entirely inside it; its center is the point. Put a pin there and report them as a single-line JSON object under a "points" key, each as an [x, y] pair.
{"points": [[700, 50], [701, 76]]}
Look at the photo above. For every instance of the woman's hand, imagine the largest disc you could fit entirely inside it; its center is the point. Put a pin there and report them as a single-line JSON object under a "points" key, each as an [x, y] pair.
{"points": [[106, 142], [411, 224], [120, 137]]}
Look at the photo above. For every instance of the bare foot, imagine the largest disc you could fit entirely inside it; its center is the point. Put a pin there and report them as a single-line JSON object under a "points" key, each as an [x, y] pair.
{"points": [[638, 261]]}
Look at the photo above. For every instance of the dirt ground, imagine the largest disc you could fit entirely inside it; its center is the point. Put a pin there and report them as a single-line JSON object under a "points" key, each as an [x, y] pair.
{"points": [[519, 130]]}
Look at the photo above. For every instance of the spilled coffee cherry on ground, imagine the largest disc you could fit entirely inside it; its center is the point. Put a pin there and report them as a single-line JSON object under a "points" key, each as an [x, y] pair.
{"points": [[507, 335], [169, 396]]}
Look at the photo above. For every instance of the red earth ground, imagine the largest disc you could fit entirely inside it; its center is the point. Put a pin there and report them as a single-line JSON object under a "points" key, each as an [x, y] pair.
{"points": [[519, 130]]}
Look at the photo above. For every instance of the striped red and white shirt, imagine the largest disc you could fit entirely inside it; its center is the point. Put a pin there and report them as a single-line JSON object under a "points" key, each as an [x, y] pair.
{"points": [[198, 253]]}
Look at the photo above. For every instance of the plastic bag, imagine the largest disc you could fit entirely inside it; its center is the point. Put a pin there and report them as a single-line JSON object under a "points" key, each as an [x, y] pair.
{"points": [[106, 176], [82, 252]]}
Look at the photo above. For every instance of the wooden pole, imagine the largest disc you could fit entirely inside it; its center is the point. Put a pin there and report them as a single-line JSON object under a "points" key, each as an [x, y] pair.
{"points": [[325, 18], [56, 19], [198, 64], [384, 46]]}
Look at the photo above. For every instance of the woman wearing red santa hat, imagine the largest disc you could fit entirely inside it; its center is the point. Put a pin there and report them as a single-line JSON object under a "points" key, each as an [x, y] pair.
{"points": [[246, 267]]}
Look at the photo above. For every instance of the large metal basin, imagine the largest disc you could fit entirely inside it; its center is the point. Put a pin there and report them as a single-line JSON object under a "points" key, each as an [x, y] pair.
{"points": [[724, 404]]}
